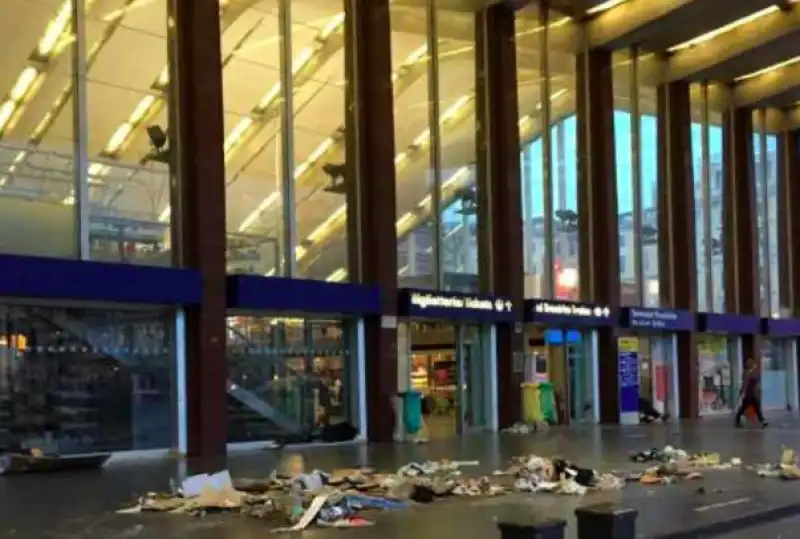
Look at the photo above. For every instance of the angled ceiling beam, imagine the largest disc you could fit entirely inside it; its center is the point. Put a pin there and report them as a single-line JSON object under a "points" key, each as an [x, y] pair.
{"points": [[769, 88], [692, 62]]}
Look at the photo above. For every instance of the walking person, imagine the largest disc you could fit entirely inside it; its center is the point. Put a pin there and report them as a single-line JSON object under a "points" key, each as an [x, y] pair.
{"points": [[749, 394]]}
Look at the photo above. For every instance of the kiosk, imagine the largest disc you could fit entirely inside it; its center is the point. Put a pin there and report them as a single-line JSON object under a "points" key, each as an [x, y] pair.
{"points": [[719, 359], [779, 372], [296, 359], [647, 359], [447, 352], [562, 350]]}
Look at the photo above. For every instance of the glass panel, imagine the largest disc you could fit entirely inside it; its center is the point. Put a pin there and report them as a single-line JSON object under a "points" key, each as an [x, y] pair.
{"points": [[320, 171], [629, 248], [716, 211], [771, 193], [648, 143], [459, 186], [774, 375], [411, 75], [699, 140], [128, 133], [36, 127], [84, 380], [716, 377], [759, 169], [290, 379], [474, 358]]}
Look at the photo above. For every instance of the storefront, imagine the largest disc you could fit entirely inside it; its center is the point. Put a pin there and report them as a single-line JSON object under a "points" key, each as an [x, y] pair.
{"points": [[719, 359], [91, 355], [562, 349], [779, 374], [446, 351], [648, 360], [295, 359]]}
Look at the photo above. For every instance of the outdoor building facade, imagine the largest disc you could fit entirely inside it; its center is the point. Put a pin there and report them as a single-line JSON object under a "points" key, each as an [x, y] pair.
{"points": [[231, 221]]}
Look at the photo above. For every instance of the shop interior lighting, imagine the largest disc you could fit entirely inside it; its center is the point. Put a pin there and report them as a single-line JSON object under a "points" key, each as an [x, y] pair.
{"points": [[770, 69], [738, 23], [320, 151], [459, 180]]}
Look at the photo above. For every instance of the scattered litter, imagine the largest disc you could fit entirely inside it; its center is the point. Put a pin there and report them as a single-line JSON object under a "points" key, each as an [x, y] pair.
{"points": [[786, 469]]}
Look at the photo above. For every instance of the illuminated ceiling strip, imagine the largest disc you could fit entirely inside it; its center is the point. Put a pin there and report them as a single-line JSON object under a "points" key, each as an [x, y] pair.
{"points": [[246, 126], [327, 145], [770, 69], [458, 180], [738, 23], [57, 35], [605, 6]]}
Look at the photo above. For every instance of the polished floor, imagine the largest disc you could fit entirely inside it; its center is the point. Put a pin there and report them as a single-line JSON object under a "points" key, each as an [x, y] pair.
{"points": [[82, 505]]}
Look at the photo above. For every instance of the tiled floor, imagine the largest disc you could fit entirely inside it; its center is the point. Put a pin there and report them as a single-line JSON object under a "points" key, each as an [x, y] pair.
{"points": [[81, 505]]}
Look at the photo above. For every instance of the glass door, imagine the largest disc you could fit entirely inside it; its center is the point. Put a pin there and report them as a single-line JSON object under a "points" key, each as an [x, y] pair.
{"points": [[472, 367]]}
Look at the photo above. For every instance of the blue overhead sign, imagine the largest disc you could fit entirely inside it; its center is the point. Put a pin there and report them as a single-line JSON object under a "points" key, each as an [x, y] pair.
{"points": [[454, 306], [566, 313], [782, 327], [657, 319], [733, 324]]}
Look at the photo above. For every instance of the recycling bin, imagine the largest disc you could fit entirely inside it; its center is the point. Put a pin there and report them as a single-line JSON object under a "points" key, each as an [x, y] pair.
{"points": [[531, 408], [412, 411]]}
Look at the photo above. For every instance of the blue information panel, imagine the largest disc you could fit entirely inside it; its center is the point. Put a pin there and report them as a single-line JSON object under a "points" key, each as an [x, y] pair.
{"points": [[566, 313], [658, 319], [628, 382], [733, 324], [782, 327], [455, 306]]}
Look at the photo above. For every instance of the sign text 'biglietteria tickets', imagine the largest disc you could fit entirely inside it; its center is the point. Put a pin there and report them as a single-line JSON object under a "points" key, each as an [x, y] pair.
{"points": [[572, 309], [438, 301]]}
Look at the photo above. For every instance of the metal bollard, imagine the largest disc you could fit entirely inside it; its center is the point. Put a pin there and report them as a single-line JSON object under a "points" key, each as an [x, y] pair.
{"points": [[606, 521], [532, 528]]}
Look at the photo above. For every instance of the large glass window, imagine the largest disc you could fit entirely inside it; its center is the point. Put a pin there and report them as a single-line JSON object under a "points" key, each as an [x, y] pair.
{"points": [[285, 138], [433, 51], [291, 379], [699, 143], [127, 177], [37, 135], [548, 133], [765, 166], [715, 212], [86, 380]]}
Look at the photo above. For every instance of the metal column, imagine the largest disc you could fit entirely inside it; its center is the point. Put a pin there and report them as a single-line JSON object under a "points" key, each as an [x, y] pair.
{"points": [[435, 151], [80, 122], [287, 139]]}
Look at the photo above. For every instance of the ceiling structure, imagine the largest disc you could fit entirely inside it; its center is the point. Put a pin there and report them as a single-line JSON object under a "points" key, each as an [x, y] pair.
{"points": [[748, 51]]}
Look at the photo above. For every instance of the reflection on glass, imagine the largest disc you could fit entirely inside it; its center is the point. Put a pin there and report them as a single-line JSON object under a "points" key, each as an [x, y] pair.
{"points": [[84, 380], [128, 134], [775, 381], [701, 204], [36, 126], [765, 149], [289, 379], [648, 141], [716, 211]]}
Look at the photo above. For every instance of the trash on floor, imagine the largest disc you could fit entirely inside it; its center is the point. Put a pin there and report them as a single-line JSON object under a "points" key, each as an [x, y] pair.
{"points": [[786, 469], [671, 464]]}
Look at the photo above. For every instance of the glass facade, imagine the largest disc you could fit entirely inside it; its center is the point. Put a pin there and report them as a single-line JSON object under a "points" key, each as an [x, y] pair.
{"points": [[79, 380], [548, 161], [285, 138], [75, 188], [290, 378]]}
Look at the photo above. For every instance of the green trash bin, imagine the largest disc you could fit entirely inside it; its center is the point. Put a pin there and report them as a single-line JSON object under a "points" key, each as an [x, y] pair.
{"points": [[547, 403], [412, 411]]}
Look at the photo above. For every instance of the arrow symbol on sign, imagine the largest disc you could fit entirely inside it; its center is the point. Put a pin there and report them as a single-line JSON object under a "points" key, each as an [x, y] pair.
{"points": [[606, 312]]}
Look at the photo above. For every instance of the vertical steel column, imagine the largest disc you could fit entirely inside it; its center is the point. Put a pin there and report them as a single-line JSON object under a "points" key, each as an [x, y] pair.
{"points": [[764, 203], [705, 154], [547, 157], [80, 123], [636, 175], [435, 152], [287, 139]]}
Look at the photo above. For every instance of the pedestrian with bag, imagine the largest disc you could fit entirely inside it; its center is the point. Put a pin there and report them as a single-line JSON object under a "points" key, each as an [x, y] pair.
{"points": [[749, 394]]}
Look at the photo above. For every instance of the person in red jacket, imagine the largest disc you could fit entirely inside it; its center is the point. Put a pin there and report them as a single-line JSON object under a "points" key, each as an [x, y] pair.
{"points": [[749, 394]]}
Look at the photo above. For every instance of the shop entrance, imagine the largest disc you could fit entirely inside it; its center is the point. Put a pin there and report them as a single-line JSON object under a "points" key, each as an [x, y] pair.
{"points": [[719, 373], [451, 365], [564, 358], [779, 374], [655, 356]]}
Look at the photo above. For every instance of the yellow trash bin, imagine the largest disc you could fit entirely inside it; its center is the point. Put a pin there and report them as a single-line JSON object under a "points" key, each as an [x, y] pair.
{"points": [[531, 409]]}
